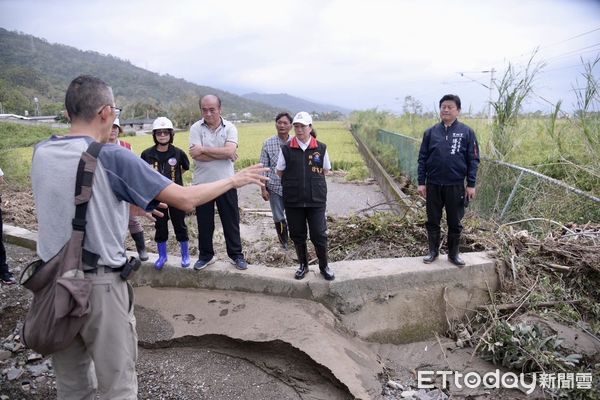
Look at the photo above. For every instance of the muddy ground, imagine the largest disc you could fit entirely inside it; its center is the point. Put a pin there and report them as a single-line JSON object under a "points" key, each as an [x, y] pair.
{"points": [[217, 367], [214, 368]]}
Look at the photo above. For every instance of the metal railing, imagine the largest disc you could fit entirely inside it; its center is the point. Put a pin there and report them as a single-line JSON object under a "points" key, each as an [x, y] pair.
{"points": [[507, 192]]}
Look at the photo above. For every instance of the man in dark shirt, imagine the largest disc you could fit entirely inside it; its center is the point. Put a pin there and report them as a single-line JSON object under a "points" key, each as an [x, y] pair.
{"points": [[449, 154]]}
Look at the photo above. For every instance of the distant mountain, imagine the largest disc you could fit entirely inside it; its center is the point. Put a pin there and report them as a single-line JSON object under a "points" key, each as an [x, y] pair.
{"points": [[294, 104], [31, 67]]}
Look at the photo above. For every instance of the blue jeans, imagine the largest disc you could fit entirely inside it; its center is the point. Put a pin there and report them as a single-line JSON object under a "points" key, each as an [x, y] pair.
{"points": [[277, 207]]}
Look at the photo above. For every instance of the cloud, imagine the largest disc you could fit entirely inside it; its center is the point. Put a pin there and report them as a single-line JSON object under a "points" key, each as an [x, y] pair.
{"points": [[353, 53]]}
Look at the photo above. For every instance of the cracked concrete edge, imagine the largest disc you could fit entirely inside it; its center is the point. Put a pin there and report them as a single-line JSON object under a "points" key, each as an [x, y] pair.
{"points": [[25, 238], [391, 290], [305, 326]]}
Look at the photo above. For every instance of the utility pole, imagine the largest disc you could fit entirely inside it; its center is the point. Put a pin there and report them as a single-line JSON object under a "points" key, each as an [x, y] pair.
{"points": [[490, 111], [490, 87]]}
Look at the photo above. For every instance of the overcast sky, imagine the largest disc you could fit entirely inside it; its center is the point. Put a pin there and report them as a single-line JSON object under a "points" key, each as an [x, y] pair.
{"points": [[356, 54]]}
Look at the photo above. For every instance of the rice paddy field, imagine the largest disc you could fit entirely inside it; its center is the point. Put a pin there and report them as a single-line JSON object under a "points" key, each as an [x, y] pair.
{"points": [[15, 157]]}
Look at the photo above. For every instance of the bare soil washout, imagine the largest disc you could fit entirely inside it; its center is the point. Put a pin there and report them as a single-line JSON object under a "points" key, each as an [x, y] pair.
{"points": [[206, 367]]}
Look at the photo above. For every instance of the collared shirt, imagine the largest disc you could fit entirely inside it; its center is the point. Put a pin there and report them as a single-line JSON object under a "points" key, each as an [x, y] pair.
{"points": [[268, 157], [211, 171], [303, 146]]}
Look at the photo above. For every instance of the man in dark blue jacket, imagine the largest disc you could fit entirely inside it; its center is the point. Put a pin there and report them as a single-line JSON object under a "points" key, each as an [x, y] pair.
{"points": [[449, 153]]}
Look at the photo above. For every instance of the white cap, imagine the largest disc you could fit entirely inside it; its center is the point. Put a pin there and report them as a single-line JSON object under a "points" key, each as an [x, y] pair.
{"points": [[303, 118], [116, 122], [162, 123]]}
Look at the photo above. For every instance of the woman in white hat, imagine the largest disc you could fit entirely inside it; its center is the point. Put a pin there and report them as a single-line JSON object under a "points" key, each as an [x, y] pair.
{"points": [[302, 165]]}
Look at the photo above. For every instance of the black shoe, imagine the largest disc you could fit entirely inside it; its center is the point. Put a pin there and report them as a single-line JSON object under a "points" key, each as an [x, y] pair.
{"points": [[323, 264], [453, 249], [456, 260], [429, 258], [7, 278], [140, 245], [433, 240], [301, 271], [327, 273], [302, 253], [282, 233]]}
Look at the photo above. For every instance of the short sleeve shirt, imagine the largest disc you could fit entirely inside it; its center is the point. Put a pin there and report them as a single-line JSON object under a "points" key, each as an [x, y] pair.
{"points": [[211, 171], [120, 178]]}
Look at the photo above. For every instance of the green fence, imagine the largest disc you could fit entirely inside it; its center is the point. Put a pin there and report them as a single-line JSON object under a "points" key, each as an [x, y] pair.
{"points": [[407, 149], [506, 192]]}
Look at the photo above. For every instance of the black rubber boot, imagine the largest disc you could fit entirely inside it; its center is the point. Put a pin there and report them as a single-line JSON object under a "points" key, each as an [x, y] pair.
{"points": [[323, 265], [434, 247], [453, 245], [282, 233], [140, 245], [302, 253]]}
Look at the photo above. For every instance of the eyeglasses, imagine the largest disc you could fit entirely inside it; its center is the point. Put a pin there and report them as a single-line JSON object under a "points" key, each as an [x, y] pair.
{"points": [[162, 132], [117, 109]]}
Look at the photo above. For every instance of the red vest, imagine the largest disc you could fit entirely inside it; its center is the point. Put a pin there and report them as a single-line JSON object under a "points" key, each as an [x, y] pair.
{"points": [[124, 144]]}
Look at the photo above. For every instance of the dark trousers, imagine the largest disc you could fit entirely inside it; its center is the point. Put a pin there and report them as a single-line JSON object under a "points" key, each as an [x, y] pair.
{"points": [[450, 197], [177, 218], [227, 204], [3, 265], [298, 217]]}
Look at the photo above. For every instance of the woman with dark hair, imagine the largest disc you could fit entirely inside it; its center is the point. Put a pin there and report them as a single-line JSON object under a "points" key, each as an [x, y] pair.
{"points": [[302, 165]]}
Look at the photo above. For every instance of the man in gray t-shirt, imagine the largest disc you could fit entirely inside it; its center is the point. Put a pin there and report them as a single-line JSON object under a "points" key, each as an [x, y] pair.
{"points": [[104, 352], [213, 144]]}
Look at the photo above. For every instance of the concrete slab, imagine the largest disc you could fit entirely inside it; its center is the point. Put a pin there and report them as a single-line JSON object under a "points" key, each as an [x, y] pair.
{"points": [[382, 300], [305, 325], [395, 300]]}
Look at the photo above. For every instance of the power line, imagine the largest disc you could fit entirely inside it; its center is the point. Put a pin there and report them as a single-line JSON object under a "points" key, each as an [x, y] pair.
{"points": [[544, 47], [570, 52], [536, 50], [575, 37], [558, 69], [474, 80]]}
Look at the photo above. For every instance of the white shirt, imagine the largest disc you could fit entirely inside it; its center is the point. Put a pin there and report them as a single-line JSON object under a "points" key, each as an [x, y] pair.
{"points": [[281, 159]]}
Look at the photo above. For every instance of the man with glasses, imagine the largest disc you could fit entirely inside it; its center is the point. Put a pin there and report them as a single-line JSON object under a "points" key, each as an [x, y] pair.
{"points": [[103, 354], [171, 162], [273, 191], [213, 144], [449, 154]]}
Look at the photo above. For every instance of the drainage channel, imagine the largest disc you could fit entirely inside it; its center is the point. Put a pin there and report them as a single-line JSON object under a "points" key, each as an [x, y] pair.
{"points": [[223, 333], [319, 338]]}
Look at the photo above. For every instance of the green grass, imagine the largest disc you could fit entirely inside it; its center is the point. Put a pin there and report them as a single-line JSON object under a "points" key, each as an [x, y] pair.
{"points": [[340, 144], [532, 143], [16, 145], [562, 152]]}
